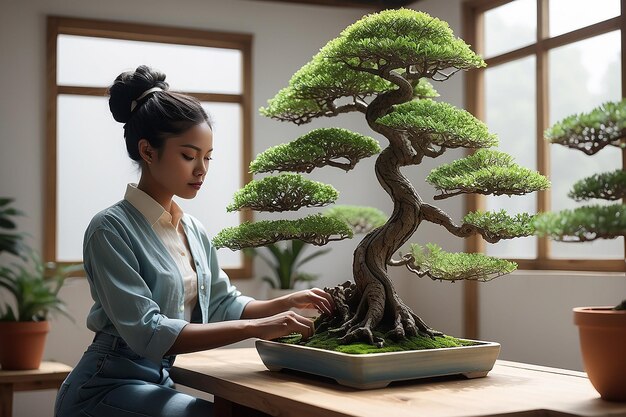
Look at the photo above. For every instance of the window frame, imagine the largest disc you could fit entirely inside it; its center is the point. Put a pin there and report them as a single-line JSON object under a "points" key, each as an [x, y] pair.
{"points": [[474, 97], [473, 11], [57, 25]]}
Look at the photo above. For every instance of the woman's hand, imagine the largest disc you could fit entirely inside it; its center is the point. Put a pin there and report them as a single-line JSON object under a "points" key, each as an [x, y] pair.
{"points": [[314, 298], [282, 324]]}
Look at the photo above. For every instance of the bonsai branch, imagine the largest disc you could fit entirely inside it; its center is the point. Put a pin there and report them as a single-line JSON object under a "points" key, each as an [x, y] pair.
{"points": [[447, 194], [436, 215]]}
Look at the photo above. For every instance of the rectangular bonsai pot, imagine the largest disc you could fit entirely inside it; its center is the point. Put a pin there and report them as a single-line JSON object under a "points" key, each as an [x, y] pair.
{"points": [[377, 370]]}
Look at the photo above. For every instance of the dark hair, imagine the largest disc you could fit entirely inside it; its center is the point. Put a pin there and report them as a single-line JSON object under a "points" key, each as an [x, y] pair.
{"points": [[155, 117]]}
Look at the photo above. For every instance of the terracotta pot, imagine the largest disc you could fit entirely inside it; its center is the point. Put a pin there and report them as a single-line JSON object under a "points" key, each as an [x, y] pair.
{"points": [[603, 345], [22, 344]]}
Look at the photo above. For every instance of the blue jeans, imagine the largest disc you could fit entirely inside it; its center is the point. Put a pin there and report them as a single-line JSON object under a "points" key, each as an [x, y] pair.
{"points": [[111, 380]]}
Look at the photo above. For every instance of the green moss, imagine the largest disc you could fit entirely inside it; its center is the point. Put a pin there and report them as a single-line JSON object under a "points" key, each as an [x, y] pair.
{"points": [[325, 340]]}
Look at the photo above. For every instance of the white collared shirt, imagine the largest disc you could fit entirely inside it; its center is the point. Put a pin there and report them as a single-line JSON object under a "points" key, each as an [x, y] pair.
{"points": [[169, 229]]}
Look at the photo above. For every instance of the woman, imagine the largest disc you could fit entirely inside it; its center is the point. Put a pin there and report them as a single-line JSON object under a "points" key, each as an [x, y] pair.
{"points": [[157, 287]]}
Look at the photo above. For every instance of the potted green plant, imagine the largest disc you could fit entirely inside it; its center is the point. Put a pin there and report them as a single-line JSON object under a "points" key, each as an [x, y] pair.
{"points": [[380, 67], [602, 330], [34, 286]]}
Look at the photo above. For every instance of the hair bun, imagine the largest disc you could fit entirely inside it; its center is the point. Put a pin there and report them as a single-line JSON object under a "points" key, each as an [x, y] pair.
{"points": [[128, 86]]}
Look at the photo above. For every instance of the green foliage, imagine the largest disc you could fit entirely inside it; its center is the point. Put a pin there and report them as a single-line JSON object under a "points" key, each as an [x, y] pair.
{"points": [[446, 266], [10, 241], [285, 261], [486, 172], [501, 224], [359, 219], [607, 186], [283, 192], [287, 106], [315, 229], [424, 89], [325, 340], [35, 287], [318, 148], [444, 124], [400, 39], [592, 131], [583, 223], [353, 64]]}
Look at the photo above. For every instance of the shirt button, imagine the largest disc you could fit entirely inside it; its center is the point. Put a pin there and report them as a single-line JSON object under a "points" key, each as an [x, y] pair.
{"points": [[182, 308], [182, 254], [201, 287]]}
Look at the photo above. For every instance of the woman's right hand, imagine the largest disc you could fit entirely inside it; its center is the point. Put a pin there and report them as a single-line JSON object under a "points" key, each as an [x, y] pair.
{"points": [[282, 324]]}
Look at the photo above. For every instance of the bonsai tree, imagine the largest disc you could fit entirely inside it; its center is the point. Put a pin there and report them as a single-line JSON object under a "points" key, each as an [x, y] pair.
{"points": [[380, 66], [590, 133], [286, 260]]}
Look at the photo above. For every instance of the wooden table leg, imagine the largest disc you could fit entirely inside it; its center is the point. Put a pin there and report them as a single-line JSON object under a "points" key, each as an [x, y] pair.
{"points": [[6, 400], [226, 408]]}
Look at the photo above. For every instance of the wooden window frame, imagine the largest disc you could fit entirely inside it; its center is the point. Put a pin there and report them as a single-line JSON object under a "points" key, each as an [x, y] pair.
{"points": [[146, 33], [473, 33]]}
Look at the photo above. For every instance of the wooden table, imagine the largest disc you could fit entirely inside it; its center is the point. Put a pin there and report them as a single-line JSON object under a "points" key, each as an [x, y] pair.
{"points": [[241, 385], [50, 375]]}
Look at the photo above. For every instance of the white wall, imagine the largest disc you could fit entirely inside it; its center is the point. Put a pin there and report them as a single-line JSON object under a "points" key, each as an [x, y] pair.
{"points": [[285, 37]]}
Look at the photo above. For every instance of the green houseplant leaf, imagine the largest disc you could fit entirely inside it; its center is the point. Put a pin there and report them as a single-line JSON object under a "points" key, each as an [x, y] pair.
{"points": [[34, 287]]}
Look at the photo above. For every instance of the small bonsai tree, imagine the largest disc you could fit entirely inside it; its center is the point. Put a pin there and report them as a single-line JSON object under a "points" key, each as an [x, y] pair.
{"points": [[380, 67], [591, 132]]}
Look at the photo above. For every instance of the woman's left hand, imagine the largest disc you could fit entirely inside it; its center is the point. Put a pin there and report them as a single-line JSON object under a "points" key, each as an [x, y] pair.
{"points": [[313, 298]]}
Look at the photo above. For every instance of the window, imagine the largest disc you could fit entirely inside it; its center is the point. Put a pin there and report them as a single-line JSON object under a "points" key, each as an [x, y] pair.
{"points": [[546, 59], [84, 142]]}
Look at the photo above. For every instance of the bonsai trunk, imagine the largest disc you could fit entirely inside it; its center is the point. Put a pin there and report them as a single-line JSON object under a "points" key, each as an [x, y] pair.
{"points": [[373, 302]]}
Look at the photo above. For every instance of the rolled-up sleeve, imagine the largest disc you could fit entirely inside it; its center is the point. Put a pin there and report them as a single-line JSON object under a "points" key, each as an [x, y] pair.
{"points": [[226, 302], [125, 296]]}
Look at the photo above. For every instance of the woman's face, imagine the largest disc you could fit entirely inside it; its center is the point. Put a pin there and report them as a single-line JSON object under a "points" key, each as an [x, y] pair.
{"points": [[184, 161]]}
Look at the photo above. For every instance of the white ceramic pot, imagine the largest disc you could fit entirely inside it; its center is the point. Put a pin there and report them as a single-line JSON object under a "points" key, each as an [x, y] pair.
{"points": [[377, 370]]}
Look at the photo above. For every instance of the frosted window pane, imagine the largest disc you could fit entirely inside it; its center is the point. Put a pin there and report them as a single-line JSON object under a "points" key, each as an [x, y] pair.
{"points": [[510, 27], [510, 114], [93, 168], [95, 62], [90, 143], [569, 15], [223, 179], [582, 76]]}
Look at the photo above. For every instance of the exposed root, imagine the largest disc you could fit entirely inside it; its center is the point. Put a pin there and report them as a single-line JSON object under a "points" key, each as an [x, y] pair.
{"points": [[355, 320]]}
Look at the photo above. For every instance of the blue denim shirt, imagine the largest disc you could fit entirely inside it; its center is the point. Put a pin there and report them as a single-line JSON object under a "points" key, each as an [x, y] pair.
{"points": [[137, 288]]}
